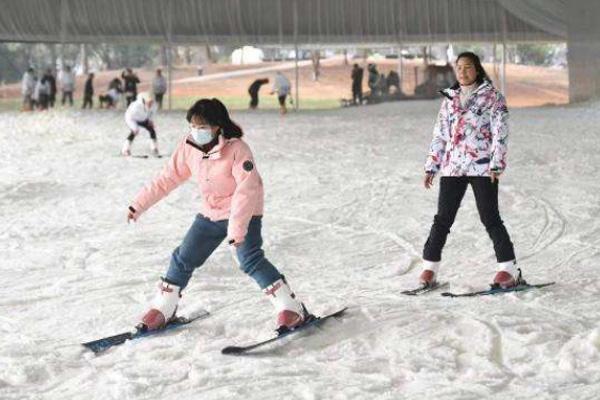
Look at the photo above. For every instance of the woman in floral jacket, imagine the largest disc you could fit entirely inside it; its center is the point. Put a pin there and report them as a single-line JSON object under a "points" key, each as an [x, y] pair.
{"points": [[469, 148]]}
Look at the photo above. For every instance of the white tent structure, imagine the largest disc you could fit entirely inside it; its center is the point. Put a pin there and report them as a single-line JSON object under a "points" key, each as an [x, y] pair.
{"points": [[317, 23], [247, 55]]}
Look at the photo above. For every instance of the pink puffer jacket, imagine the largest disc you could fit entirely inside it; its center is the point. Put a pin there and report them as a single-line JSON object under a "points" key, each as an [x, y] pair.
{"points": [[230, 186]]}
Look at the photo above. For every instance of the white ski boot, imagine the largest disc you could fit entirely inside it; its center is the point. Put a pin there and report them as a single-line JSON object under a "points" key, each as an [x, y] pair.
{"points": [[126, 149], [154, 148], [429, 274], [507, 275], [163, 307], [290, 312]]}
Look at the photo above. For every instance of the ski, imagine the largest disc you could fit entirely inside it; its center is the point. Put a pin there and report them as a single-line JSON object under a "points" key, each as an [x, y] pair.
{"points": [[425, 289], [144, 156], [100, 345], [311, 322], [498, 290], [147, 156]]}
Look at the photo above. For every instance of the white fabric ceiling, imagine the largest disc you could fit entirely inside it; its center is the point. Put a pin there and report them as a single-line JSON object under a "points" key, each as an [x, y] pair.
{"points": [[280, 22]]}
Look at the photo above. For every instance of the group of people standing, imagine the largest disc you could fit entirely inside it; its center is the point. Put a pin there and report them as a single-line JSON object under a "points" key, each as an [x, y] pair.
{"points": [[379, 84], [40, 92], [281, 86]]}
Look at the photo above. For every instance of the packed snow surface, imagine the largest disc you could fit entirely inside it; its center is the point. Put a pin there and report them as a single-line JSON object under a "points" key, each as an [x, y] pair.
{"points": [[346, 217]]}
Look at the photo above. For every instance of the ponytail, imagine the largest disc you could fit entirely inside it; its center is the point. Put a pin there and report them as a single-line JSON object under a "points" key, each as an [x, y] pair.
{"points": [[230, 129]]}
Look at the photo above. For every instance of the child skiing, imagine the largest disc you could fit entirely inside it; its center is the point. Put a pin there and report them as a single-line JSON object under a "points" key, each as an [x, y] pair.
{"points": [[139, 115], [469, 148], [232, 208]]}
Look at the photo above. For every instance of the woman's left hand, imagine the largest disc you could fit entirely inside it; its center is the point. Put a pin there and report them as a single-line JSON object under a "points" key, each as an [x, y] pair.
{"points": [[494, 176]]}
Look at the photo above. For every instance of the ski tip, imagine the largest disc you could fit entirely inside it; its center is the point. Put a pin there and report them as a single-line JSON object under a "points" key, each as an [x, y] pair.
{"points": [[96, 349], [340, 312], [232, 350]]}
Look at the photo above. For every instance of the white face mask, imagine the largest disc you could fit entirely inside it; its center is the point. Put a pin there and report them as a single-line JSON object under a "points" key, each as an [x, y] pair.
{"points": [[201, 136]]}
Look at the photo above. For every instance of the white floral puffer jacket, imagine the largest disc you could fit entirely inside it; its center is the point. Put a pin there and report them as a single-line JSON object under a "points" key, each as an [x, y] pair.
{"points": [[470, 140]]}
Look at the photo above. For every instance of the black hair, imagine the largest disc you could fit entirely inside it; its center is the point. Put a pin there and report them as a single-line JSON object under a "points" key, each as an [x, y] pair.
{"points": [[482, 76], [215, 114]]}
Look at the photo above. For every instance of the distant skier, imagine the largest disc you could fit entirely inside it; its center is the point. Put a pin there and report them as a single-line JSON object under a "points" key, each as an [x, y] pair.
{"points": [[50, 80], [27, 89], [469, 148], [88, 92], [373, 79], [159, 88], [393, 80], [357, 80], [67, 80], [232, 208], [112, 96], [282, 87], [253, 91], [140, 114], [41, 93], [131, 81]]}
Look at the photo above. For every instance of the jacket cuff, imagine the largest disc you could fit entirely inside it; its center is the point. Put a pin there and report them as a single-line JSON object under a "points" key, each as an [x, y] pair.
{"points": [[496, 168], [431, 169], [236, 235], [136, 208]]}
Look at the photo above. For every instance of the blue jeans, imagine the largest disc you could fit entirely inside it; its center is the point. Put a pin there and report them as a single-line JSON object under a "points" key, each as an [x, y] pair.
{"points": [[204, 236]]}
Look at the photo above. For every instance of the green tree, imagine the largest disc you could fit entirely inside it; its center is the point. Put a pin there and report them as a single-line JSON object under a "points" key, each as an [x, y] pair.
{"points": [[535, 54]]}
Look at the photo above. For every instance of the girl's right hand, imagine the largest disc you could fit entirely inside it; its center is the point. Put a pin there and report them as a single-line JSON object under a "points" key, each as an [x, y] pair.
{"points": [[131, 215], [428, 181]]}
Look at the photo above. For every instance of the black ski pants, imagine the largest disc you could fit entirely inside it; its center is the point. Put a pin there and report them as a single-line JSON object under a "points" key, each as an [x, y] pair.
{"points": [[452, 191], [148, 125], [253, 99], [88, 101], [357, 93]]}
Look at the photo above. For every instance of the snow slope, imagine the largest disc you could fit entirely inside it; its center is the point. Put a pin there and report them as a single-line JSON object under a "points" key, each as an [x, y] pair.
{"points": [[346, 218]]}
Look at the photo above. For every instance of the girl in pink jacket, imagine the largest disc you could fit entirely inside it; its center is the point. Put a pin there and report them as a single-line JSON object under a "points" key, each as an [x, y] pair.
{"points": [[221, 163]]}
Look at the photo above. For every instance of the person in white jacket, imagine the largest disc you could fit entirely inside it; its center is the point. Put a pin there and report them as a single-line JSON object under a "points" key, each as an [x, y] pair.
{"points": [[67, 81], [469, 148], [282, 87], [139, 115], [27, 89], [159, 88]]}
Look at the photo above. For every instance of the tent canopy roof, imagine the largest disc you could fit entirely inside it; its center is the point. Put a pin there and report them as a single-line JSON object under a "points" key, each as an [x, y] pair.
{"points": [[281, 22]]}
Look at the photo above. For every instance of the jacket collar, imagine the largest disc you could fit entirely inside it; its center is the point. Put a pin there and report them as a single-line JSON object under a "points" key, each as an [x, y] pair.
{"points": [[451, 93], [215, 152]]}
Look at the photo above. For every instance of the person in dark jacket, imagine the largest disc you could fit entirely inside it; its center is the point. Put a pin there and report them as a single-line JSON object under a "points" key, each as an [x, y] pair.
{"points": [[393, 80], [373, 79], [111, 98], [50, 80], [357, 79], [88, 92], [131, 81], [253, 91]]}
